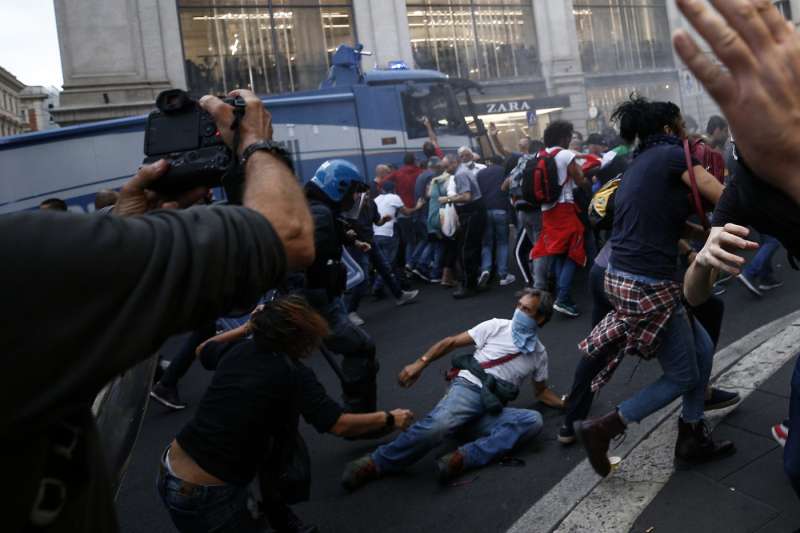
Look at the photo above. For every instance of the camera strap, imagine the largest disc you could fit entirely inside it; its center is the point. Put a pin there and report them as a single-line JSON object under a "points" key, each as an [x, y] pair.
{"points": [[233, 179]]}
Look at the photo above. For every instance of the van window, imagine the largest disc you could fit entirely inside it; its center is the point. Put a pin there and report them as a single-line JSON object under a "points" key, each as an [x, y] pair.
{"points": [[438, 103]]}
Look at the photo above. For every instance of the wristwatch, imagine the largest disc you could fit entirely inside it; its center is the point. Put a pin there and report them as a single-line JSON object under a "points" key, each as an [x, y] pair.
{"points": [[268, 146], [389, 420]]}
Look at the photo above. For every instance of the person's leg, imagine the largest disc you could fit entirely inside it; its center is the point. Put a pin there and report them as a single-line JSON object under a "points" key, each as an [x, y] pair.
{"points": [[681, 373], [406, 239], [522, 250], [565, 271], [460, 405], [472, 245], [580, 398], [359, 364], [501, 240], [500, 433], [388, 247], [487, 245], [600, 304], [791, 452], [710, 315], [357, 292], [183, 360], [384, 270], [541, 265], [437, 257], [761, 264], [694, 399]]}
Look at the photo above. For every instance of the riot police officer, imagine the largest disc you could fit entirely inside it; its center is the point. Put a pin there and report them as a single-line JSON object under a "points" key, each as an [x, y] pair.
{"points": [[330, 193]]}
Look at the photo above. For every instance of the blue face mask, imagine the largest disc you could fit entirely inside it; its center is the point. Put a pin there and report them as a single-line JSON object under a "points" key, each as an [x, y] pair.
{"points": [[524, 331]]}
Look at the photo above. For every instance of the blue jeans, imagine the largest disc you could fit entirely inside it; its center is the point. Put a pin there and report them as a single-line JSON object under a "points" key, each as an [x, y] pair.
{"points": [[791, 453], [761, 265], [496, 234], [461, 410], [198, 508], [564, 268], [387, 247], [685, 356]]}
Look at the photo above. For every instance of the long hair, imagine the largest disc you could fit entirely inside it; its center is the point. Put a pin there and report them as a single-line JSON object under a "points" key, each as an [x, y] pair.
{"points": [[288, 325], [640, 118]]}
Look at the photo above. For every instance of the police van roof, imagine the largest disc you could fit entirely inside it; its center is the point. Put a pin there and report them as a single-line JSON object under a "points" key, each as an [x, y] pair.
{"points": [[379, 76]]}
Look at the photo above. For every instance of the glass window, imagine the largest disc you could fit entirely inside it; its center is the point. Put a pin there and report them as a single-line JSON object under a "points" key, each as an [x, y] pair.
{"points": [[438, 103], [623, 35], [267, 46], [476, 39], [607, 99]]}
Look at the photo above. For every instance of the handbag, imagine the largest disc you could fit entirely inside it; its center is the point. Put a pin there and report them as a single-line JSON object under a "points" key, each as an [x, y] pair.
{"points": [[447, 213], [698, 202]]}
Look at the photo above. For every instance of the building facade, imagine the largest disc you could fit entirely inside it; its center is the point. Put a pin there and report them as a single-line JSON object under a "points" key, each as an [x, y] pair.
{"points": [[536, 60], [11, 121]]}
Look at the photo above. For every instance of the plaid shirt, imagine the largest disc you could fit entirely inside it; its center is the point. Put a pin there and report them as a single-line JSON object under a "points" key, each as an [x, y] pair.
{"points": [[641, 312]]}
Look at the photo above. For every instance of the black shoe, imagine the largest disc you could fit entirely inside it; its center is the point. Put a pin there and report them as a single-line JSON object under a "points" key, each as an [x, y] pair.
{"points": [[464, 292], [167, 396], [695, 445], [566, 435], [721, 399]]}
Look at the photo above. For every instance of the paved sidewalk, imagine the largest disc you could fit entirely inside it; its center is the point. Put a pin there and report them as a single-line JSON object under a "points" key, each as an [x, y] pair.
{"points": [[745, 493]]}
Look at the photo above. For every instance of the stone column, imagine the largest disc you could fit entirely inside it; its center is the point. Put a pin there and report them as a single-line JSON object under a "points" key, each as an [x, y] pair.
{"points": [[560, 57], [382, 27], [116, 56]]}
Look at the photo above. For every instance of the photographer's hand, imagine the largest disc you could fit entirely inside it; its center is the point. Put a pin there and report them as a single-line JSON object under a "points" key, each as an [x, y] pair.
{"points": [[135, 197], [270, 186]]}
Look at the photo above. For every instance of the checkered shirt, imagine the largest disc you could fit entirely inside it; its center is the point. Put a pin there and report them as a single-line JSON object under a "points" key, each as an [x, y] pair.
{"points": [[641, 312]]}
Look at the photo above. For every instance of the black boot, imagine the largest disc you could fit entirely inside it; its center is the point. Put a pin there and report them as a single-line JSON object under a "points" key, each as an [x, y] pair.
{"points": [[695, 445], [595, 434]]}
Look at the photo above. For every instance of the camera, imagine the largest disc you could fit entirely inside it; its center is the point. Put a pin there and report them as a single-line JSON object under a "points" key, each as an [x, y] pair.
{"points": [[186, 135]]}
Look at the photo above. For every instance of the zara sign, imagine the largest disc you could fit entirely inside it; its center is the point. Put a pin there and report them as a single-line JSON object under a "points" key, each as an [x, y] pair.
{"points": [[510, 106], [523, 105]]}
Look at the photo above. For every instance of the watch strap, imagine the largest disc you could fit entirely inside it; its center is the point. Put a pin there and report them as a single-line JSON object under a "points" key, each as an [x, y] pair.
{"points": [[268, 146], [389, 419]]}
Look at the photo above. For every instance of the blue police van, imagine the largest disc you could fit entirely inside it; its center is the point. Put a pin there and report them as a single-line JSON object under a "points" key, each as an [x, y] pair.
{"points": [[366, 118]]}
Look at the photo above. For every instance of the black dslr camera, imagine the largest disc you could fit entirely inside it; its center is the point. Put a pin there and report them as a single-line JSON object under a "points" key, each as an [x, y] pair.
{"points": [[186, 135]]}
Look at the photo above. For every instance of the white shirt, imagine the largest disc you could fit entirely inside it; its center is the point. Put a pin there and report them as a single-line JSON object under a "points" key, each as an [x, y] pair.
{"points": [[493, 341], [388, 204], [563, 159], [473, 171]]}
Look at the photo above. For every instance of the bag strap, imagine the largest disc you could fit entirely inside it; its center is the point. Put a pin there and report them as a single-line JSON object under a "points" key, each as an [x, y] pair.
{"points": [[453, 372], [698, 205]]}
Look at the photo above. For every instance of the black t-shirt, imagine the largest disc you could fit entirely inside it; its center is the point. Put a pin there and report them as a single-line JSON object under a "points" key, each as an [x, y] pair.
{"points": [[650, 208], [490, 179], [87, 298], [254, 395]]}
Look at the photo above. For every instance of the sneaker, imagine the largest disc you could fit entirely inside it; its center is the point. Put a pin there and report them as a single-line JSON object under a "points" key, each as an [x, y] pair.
{"points": [[769, 282], [566, 308], [417, 272], [359, 472], [724, 277], [355, 319], [780, 432], [483, 279], [464, 292], [436, 280], [449, 466], [508, 279], [721, 399], [748, 283], [566, 435], [409, 270], [167, 396], [406, 297]]}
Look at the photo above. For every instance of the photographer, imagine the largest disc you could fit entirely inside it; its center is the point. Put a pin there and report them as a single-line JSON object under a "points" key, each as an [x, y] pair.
{"points": [[89, 297], [259, 390]]}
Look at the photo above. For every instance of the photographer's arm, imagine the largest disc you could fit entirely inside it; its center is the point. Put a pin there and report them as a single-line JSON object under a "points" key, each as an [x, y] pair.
{"points": [[270, 186]]}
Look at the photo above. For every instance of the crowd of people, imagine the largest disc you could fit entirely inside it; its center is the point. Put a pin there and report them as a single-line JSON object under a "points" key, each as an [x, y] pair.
{"points": [[679, 218]]}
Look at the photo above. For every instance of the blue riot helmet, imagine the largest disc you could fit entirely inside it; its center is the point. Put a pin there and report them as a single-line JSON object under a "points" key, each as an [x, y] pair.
{"points": [[337, 178]]}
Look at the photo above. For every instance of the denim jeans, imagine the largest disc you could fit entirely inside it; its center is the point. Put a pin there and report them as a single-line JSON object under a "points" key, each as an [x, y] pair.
{"points": [[461, 411], [791, 453], [199, 508], [495, 236], [387, 247], [565, 270], [405, 233], [685, 356], [761, 265]]}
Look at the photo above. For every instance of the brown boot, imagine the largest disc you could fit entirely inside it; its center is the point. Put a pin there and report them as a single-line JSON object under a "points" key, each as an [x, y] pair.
{"points": [[448, 277], [695, 446], [450, 466], [595, 434]]}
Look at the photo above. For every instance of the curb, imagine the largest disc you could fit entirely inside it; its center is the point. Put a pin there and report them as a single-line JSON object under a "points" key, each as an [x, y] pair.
{"points": [[580, 501]]}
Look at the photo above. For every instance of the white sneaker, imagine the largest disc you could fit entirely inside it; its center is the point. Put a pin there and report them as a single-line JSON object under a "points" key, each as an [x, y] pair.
{"points": [[355, 319], [748, 284], [508, 279], [483, 279], [407, 297]]}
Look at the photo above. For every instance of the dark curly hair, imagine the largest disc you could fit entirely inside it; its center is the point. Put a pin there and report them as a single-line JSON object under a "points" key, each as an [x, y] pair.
{"points": [[288, 325], [640, 118], [557, 133]]}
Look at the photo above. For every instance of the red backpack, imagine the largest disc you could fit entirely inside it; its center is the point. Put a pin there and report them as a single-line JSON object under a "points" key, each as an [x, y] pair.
{"points": [[543, 186], [711, 159]]}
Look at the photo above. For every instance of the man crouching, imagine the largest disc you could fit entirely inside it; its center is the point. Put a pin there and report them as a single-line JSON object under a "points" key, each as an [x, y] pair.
{"points": [[506, 352]]}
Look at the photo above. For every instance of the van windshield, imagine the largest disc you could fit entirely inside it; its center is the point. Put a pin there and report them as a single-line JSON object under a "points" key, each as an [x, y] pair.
{"points": [[438, 103]]}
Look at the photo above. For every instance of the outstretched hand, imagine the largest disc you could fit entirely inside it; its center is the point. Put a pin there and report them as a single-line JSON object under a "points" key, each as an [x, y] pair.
{"points": [[718, 252], [761, 51]]}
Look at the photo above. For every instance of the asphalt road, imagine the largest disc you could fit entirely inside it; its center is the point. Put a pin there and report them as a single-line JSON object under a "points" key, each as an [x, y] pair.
{"points": [[491, 499]]}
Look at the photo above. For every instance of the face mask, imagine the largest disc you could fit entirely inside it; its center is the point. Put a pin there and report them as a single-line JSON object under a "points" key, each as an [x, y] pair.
{"points": [[524, 331]]}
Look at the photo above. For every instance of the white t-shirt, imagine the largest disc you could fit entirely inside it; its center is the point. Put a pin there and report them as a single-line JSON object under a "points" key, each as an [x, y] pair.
{"points": [[563, 160], [388, 204], [492, 341]]}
